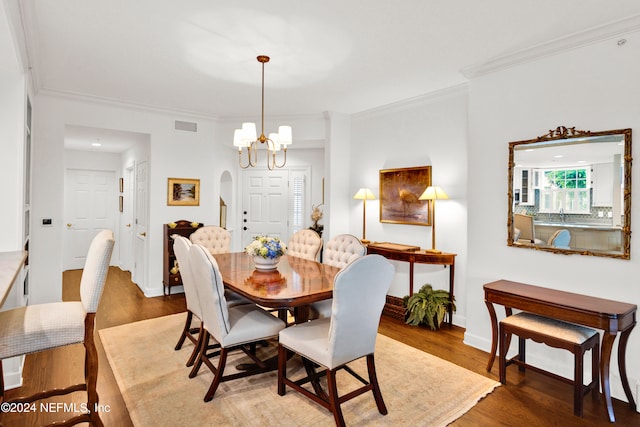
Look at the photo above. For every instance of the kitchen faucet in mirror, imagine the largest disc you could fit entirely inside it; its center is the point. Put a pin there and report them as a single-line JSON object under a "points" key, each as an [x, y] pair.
{"points": [[574, 183]]}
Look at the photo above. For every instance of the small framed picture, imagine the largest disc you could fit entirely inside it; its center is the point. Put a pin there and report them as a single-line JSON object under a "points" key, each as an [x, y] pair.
{"points": [[183, 192], [400, 191]]}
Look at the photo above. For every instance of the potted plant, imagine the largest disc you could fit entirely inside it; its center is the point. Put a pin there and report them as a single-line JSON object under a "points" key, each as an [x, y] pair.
{"points": [[428, 307]]}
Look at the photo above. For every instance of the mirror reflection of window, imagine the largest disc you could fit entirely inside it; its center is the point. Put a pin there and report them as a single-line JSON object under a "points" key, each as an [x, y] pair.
{"points": [[574, 180]]}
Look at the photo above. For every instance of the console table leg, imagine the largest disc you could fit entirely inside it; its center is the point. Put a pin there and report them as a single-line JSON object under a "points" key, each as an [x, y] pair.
{"points": [[605, 357], [622, 364], [494, 335]]}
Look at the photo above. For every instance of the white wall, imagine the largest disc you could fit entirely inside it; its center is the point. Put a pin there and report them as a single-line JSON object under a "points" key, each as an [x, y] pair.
{"points": [[592, 88], [430, 130], [171, 154]]}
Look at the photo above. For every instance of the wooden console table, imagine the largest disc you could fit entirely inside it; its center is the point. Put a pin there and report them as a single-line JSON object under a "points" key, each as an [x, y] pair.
{"points": [[414, 255], [610, 316]]}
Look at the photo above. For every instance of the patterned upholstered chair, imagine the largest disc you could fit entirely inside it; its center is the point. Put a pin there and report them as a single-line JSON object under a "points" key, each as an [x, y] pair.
{"points": [[359, 294], [305, 244], [40, 327], [234, 328], [216, 239], [340, 251]]}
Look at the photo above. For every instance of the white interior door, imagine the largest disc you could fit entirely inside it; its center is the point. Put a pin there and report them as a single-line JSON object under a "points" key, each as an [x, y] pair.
{"points": [[265, 204], [89, 207], [140, 225], [127, 221]]}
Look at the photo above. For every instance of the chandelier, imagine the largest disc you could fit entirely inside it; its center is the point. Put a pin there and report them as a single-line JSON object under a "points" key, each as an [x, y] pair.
{"points": [[247, 137]]}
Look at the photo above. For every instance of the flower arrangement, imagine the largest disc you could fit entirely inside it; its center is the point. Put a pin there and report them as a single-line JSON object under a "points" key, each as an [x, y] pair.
{"points": [[266, 247]]}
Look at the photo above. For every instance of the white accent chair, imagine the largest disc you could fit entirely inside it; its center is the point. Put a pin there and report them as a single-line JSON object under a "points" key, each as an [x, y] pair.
{"points": [[305, 244], [181, 247], [40, 327], [340, 251], [234, 328], [359, 294], [216, 239]]}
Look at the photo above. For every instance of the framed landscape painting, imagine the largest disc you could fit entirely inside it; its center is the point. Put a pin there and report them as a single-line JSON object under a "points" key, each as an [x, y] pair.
{"points": [[399, 193], [183, 192]]}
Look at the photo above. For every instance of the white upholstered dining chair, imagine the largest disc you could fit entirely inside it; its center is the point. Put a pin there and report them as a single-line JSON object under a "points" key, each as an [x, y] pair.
{"points": [[359, 294], [234, 328], [181, 247], [340, 251], [40, 327], [305, 244], [216, 239]]}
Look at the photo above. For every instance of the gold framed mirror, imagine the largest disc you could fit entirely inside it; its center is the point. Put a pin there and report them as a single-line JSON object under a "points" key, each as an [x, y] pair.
{"points": [[570, 193]]}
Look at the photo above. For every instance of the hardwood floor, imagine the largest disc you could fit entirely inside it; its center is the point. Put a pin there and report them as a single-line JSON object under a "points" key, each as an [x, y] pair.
{"points": [[531, 399]]}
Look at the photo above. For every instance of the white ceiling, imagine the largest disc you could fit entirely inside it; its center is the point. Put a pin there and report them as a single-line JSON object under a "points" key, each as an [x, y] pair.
{"points": [[198, 56]]}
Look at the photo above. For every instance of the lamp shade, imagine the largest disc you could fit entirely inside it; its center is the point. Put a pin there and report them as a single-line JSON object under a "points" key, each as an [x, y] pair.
{"points": [[364, 194], [275, 138], [433, 193], [237, 139], [285, 137], [249, 133]]}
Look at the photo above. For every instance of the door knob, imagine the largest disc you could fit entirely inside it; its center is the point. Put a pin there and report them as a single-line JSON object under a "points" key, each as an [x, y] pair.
{"points": [[69, 225], [128, 225], [143, 234]]}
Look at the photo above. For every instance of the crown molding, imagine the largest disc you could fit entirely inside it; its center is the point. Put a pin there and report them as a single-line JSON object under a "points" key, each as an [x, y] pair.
{"points": [[562, 44], [417, 101]]}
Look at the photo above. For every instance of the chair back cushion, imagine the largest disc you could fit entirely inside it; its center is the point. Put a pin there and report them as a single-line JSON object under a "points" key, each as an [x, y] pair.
{"points": [[305, 244], [560, 239], [95, 270], [216, 239], [342, 250], [210, 289], [181, 247], [359, 294]]}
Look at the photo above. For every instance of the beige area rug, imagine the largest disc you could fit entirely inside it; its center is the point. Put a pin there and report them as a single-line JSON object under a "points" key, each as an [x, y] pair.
{"points": [[419, 389]]}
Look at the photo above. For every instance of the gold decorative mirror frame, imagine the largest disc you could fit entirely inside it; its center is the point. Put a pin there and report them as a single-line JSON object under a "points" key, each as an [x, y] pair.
{"points": [[537, 197]]}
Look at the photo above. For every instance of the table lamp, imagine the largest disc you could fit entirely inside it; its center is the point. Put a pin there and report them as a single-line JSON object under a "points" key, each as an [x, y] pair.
{"points": [[432, 194], [364, 194]]}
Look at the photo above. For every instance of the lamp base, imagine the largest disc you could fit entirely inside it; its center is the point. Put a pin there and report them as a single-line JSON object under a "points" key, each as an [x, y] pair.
{"points": [[365, 241], [433, 251]]}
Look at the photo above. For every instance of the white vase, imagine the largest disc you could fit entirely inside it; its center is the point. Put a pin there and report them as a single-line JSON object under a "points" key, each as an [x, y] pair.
{"points": [[266, 263]]}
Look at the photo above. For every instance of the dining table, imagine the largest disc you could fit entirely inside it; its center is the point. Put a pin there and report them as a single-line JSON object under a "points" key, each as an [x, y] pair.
{"points": [[292, 285]]}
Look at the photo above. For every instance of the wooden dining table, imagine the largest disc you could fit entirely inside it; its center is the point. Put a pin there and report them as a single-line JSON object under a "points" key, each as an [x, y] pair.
{"points": [[293, 285]]}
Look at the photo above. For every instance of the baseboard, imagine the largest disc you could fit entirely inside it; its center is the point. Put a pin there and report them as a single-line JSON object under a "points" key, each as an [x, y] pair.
{"points": [[12, 369]]}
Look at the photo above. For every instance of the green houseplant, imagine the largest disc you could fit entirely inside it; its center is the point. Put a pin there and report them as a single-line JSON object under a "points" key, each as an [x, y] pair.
{"points": [[428, 307]]}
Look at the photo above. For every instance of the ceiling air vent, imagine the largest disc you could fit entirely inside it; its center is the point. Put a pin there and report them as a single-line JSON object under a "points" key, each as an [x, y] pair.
{"points": [[188, 126]]}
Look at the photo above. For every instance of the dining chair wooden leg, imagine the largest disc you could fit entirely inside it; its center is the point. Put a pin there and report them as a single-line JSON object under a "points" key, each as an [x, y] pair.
{"points": [[334, 399], [91, 369], [185, 330], [217, 375], [373, 380], [282, 369], [202, 350], [196, 348]]}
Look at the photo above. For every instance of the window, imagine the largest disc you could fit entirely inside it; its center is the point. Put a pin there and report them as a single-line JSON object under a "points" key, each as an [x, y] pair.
{"points": [[297, 202], [565, 190]]}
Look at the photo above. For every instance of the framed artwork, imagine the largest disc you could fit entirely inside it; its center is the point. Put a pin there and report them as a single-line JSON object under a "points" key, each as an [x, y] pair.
{"points": [[399, 193], [183, 192]]}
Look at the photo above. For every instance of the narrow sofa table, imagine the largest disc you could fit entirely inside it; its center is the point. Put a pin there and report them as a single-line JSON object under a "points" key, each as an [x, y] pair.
{"points": [[414, 255], [612, 317]]}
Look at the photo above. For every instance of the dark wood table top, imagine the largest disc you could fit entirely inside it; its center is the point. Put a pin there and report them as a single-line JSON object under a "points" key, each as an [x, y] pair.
{"points": [[296, 282], [587, 310]]}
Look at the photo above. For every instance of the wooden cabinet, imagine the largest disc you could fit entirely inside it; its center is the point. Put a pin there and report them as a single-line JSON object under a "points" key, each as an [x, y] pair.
{"points": [[183, 228]]}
